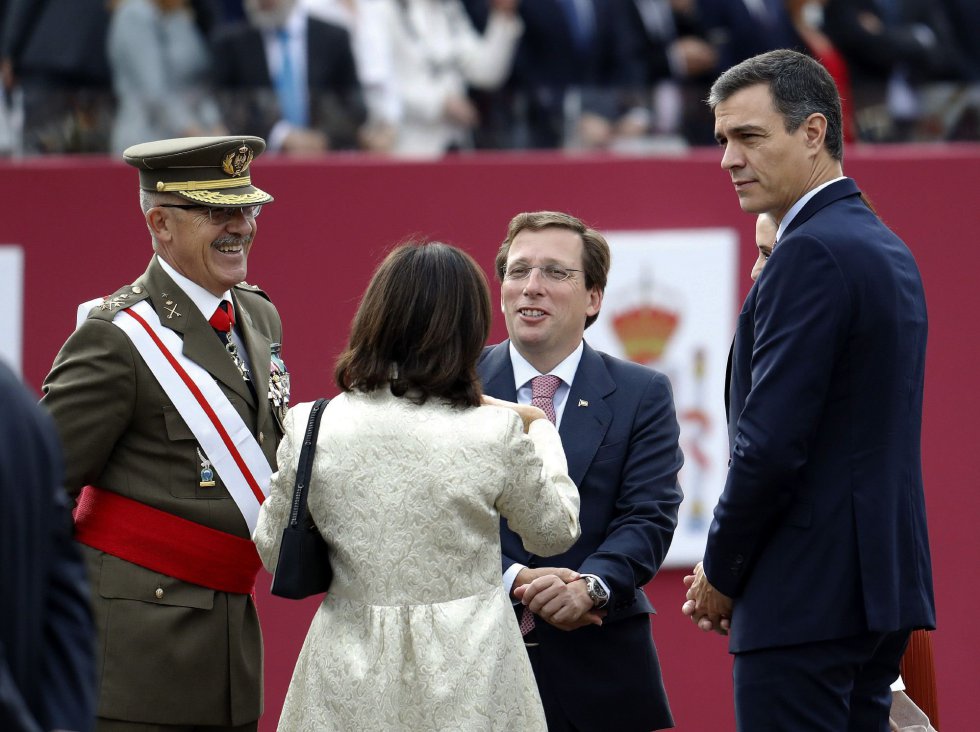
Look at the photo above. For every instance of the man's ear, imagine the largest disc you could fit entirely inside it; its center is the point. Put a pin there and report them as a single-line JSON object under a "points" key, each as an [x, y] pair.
{"points": [[595, 302], [159, 223], [815, 130]]}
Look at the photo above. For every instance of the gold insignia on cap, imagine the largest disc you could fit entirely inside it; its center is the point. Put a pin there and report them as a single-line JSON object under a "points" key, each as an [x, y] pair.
{"points": [[237, 161]]}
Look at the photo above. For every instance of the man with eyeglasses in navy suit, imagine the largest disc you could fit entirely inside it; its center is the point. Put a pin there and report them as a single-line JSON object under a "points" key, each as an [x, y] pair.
{"points": [[584, 614]]}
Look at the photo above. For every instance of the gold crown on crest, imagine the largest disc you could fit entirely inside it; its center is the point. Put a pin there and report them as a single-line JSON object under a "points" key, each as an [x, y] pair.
{"points": [[644, 332]]}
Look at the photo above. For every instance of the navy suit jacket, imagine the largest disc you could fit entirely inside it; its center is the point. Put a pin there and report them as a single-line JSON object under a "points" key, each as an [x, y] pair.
{"points": [[47, 635], [620, 435], [739, 34], [820, 532]]}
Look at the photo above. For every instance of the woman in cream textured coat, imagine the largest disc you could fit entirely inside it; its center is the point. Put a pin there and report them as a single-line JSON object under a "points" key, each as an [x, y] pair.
{"points": [[410, 479]]}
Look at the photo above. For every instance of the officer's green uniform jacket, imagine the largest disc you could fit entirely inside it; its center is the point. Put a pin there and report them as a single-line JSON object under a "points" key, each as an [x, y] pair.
{"points": [[169, 652]]}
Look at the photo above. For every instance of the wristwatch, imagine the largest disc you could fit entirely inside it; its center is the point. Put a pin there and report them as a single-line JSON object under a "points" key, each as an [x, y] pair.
{"points": [[598, 593]]}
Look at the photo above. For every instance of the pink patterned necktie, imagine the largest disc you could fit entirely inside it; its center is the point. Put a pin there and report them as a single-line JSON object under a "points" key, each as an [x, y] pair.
{"points": [[543, 390]]}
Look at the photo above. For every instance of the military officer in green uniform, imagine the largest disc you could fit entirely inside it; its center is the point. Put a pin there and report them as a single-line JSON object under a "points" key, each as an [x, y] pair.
{"points": [[169, 398]]}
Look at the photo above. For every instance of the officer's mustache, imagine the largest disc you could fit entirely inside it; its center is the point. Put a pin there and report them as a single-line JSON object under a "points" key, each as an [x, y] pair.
{"points": [[242, 241]]}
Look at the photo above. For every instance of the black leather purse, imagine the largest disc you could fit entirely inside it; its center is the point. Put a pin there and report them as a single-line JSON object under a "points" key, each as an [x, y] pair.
{"points": [[304, 565]]}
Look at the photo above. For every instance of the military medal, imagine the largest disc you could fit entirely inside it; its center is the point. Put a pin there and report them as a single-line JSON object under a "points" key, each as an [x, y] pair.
{"points": [[207, 474], [278, 382], [233, 352]]}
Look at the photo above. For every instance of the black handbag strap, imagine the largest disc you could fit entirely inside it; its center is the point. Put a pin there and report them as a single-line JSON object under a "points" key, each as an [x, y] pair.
{"points": [[305, 466]]}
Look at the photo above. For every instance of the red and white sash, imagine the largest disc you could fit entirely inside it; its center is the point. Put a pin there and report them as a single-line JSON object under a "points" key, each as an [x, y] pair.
{"points": [[216, 425]]}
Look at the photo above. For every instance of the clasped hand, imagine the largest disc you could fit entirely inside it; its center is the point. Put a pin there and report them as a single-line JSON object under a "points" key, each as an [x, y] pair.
{"points": [[707, 607], [557, 596]]}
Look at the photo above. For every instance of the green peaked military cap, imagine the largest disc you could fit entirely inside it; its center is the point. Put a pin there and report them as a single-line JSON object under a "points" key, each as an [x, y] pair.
{"points": [[213, 171]]}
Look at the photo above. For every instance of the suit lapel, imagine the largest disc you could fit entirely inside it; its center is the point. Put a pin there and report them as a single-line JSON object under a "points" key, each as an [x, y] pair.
{"points": [[259, 349], [833, 192], [497, 373], [728, 381], [586, 417], [201, 345]]}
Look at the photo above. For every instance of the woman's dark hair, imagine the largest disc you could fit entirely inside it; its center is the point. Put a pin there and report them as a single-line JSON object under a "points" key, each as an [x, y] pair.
{"points": [[420, 327]]}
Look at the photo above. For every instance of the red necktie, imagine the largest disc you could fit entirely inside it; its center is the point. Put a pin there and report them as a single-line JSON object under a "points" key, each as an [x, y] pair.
{"points": [[224, 317], [543, 390], [222, 321]]}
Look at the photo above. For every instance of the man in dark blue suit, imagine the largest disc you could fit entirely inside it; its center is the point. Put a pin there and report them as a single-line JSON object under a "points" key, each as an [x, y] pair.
{"points": [[817, 560], [289, 78], [47, 635], [590, 645]]}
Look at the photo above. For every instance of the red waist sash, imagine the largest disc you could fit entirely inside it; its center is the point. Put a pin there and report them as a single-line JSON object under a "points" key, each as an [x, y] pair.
{"points": [[165, 543]]}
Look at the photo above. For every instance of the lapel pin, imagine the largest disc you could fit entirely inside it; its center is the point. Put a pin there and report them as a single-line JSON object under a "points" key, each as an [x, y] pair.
{"points": [[583, 403], [172, 313]]}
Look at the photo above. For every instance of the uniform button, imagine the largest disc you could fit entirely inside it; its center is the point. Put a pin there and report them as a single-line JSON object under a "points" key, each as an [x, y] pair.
{"points": [[261, 437], [137, 289], [159, 593]]}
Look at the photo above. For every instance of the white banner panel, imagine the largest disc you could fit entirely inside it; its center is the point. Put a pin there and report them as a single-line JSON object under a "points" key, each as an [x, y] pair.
{"points": [[670, 304], [12, 305]]}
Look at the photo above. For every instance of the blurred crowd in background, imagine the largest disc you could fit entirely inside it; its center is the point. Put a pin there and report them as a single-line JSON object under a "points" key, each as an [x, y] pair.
{"points": [[424, 78]]}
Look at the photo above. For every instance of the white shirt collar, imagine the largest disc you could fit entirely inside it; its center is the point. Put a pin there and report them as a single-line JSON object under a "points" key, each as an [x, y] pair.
{"points": [[524, 371], [204, 300], [795, 209]]}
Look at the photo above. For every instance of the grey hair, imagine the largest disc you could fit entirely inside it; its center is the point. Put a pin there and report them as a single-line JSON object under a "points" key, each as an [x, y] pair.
{"points": [[798, 85]]}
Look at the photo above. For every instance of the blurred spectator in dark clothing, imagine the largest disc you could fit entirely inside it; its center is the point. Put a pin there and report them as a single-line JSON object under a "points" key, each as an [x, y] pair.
{"points": [[964, 16], [572, 59], [891, 48], [671, 40], [47, 635], [54, 50], [220, 13], [878, 36], [678, 63], [745, 28], [290, 78]]}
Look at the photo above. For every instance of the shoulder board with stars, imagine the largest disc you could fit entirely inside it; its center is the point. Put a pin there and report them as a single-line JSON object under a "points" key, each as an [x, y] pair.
{"points": [[121, 299], [248, 287]]}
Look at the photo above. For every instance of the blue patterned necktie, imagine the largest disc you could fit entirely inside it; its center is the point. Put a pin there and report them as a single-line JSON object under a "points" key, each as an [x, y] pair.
{"points": [[287, 87]]}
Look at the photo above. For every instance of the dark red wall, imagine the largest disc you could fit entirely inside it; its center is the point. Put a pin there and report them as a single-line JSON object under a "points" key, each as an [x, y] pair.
{"points": [[79, 223]]}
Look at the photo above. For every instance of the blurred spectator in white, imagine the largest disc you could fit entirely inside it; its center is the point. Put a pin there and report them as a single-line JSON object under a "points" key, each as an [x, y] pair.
{"points": [[160, 62], [364, 20], [436, 54], [53, 51], [290, 78]]}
